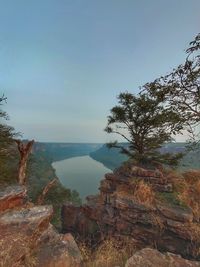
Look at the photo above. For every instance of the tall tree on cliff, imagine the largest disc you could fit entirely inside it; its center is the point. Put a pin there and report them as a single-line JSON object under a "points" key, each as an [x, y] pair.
{"points": [[146, 125], [180, 89]]}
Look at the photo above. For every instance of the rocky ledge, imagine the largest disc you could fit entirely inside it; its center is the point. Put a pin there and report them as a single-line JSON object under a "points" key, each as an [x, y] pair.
{"points": [[115, 212], [28, 239], [12, 197], [152, 258]]}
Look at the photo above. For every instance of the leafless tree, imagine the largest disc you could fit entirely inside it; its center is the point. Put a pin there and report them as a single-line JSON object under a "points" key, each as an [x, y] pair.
{"points": [[24, 151]]}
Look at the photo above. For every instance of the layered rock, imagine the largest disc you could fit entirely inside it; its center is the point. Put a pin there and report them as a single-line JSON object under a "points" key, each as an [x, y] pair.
{"points": [[115, 212], [11, 197], [152, 258], [28, 239]]}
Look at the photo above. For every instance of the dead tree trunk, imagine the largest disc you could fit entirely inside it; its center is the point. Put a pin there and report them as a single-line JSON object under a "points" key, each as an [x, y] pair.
{"points": [[24, 151], [46, 189]]}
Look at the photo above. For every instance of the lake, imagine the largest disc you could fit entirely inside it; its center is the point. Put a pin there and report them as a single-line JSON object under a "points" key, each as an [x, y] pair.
{"points": [[82, 174]]}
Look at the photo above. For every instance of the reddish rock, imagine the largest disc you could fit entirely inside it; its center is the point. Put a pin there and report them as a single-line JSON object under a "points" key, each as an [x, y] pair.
{"points": [[70, 215], [19, 231], [28, 239], [152, 258], [176, 214], [11, 197], [56, 250], [75, 220], [117, 212]]}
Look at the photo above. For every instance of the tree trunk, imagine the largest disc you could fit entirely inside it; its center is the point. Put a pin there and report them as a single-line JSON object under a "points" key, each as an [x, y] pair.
{"points": [[24, 151], [46, 189]]}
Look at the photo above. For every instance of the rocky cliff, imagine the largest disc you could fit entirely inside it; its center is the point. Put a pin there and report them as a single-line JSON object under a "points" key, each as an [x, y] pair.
{"points": [[118, 212], [28, 239], [26, 236]]}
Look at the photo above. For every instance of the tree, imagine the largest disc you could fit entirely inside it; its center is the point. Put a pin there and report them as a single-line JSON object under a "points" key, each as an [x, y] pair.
{"points": [[180, 89], [6, 133], [24, 151], [41, 197], [146, 125]]}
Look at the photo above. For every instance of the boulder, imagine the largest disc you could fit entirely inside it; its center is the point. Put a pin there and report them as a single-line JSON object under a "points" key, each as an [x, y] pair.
{"points": [[56, 250], [19, 231], [148, 257], [26, 236]]}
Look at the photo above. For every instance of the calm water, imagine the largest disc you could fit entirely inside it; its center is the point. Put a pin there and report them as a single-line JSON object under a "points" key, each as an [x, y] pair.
{"points": [[81, 173]]}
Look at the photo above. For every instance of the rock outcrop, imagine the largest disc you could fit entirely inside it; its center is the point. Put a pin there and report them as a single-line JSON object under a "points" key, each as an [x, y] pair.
{"points": [[28, 239], [12, 197], [153, 258], [115, 212]]}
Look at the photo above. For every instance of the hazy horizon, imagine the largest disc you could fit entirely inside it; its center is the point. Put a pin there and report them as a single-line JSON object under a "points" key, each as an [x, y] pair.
{"points": [[62, 63]]}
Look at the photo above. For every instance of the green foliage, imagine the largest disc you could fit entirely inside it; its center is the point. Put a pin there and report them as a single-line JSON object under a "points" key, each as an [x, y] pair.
{"points": [[180, 90], [170, 199], [60, 151], [40, 173], [111, 158], [6, 140], [8, 153], [146, 125]]}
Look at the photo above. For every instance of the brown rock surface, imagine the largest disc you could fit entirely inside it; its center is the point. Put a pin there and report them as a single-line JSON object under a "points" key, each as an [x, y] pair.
{"points": [[116, 212], [152, 258], [11, 197], [56, 250], [19, 231], [28, 239]]}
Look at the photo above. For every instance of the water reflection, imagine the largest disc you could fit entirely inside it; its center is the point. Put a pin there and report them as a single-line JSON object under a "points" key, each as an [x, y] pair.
{"points": [[82, 174]]}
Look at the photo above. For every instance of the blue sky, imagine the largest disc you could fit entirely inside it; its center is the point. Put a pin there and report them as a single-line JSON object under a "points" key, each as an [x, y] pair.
{"points": [[63, 62]]}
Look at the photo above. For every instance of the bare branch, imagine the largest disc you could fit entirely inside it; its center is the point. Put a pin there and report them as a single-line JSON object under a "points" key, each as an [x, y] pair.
{"points": [[41, 197]]}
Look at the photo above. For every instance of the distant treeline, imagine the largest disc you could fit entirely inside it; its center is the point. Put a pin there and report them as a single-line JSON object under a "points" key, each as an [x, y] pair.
{"points": [[112, 158], [61, 151]]}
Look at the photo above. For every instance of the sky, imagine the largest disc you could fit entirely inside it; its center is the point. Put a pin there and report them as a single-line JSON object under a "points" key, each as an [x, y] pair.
{"points": [[63, 62]]}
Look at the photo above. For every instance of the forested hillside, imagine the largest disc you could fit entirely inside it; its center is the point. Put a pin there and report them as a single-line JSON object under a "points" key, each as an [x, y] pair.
{"points": [[112, 158], [60, 151], [39, 173]]}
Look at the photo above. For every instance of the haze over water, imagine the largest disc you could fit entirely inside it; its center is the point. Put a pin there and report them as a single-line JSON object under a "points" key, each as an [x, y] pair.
{"points": [[82, 174]]}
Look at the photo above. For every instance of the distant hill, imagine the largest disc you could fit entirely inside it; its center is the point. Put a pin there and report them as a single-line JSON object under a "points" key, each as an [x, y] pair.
{"points": [[112, 158], [60, 151]]}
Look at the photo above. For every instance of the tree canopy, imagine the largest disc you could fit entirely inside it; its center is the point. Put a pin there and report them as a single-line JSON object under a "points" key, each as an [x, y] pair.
{"points": [[146, 125], [180, 89]]}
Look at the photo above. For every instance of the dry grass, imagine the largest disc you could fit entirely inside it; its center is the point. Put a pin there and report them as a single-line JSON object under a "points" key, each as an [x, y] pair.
{"points": [[195, 239], [124, 189], [192, 176], [157, 222], [108, 254], [8, 252], [139, 191], [175, 177], [144, 194], [189, 192]]}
